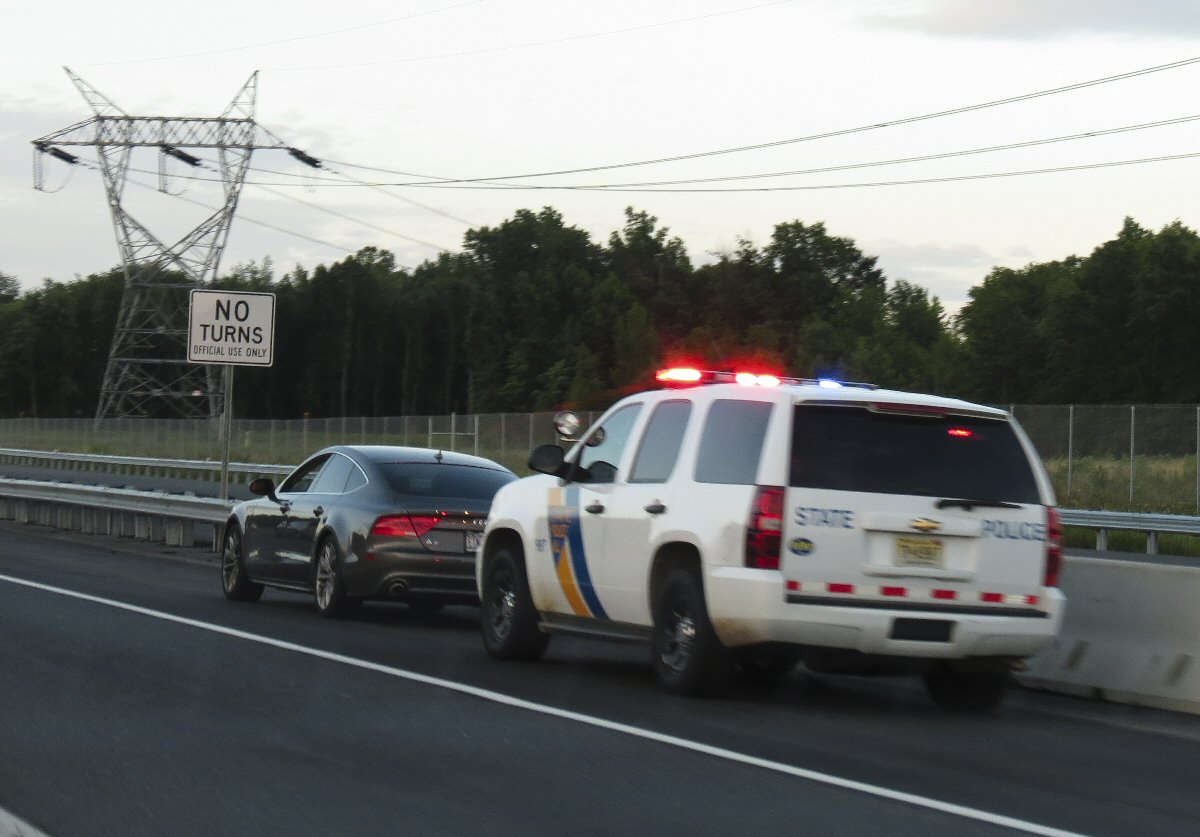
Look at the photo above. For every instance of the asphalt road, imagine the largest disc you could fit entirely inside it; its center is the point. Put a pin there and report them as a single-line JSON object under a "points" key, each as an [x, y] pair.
{"points": [[136, 701]]}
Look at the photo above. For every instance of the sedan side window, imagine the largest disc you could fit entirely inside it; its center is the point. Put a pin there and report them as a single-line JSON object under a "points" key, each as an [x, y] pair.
{"points": [[356, 480], [302, 478], [332, 479]]}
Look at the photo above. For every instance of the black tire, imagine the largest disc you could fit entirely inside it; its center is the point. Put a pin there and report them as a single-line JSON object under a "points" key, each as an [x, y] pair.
{"points": [[235, 583], [689, 658], [972, 688], [329, 589], [508, 619], [764, 666]]}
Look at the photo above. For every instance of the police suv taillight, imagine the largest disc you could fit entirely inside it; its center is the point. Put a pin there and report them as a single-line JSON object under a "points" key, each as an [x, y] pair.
{"points": [[1054, 547], [764, 531]]}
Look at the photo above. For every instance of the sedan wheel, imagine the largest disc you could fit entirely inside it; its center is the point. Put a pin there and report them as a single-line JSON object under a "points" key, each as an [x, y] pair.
{"points": [[330, 591], [236, 585]]}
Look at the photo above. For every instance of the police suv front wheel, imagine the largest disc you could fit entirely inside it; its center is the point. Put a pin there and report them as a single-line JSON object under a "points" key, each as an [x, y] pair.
{"points": [[508, 618], [689, 658]]}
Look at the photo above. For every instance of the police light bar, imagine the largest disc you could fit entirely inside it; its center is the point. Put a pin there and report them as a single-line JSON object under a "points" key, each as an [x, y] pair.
{"points": [[688, 376], [679, 375]]}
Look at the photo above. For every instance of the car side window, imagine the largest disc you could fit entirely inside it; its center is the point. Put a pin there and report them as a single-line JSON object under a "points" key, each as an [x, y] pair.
{"points": [[732, 442], [661, 442], [332, 479], [605, 444], [302, 478], [356, 480]]}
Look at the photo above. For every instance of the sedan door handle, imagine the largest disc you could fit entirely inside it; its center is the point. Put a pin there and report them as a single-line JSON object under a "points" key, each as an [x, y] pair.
{"points": [[318, 511], [656, 508], [595, 508]]}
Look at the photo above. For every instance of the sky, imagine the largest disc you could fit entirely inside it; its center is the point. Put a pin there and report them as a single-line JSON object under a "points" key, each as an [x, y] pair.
{"points": [[724, 92]]}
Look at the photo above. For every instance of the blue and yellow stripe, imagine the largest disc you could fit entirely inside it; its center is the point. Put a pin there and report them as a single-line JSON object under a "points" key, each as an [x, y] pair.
{"points": [[570, 556]]}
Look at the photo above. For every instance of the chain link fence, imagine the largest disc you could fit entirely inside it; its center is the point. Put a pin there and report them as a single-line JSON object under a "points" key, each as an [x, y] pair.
{"points": [[504, 437], [1121, 457], [1137, 457]]}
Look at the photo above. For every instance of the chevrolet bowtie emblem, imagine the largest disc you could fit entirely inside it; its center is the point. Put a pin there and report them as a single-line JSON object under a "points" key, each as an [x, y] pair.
{"points": [[924, 524]]}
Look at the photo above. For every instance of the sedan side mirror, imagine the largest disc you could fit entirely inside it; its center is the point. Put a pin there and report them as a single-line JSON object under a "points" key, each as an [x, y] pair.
{"points": [[264, 487]]}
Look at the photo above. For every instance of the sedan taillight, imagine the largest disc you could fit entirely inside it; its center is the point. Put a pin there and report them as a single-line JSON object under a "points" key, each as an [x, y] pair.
{"points": [[404, 525], [401, 526]]}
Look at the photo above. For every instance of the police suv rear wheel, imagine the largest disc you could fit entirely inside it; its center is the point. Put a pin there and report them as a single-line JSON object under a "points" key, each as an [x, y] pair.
{"points": [[689, 658]]}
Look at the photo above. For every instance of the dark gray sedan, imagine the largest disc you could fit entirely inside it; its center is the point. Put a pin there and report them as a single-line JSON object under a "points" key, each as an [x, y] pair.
{"points": [[359, 522]]}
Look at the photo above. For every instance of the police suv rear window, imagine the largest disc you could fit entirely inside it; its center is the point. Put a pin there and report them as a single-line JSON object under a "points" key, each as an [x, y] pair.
{"points": [[855, 449]]}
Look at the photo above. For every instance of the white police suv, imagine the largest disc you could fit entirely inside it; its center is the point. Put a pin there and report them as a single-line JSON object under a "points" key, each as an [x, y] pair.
{"points": [[747, 522]]}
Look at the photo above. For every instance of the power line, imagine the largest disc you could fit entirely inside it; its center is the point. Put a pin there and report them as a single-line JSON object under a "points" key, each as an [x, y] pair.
{"points": [[379, 188], [95, 168], [948, 179], [841, 132], [820, 170], [367, 224], [945, 155]]}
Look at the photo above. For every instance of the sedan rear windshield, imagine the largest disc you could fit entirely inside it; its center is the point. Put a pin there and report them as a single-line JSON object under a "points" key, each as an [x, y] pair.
{"points": [[953, 456], [423, 479]]}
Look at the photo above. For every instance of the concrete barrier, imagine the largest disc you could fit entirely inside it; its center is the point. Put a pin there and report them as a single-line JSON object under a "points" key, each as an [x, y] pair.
{"points": [[1131, 634]]}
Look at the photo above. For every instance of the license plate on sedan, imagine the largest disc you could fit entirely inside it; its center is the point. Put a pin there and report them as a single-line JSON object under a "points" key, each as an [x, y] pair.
{"points": [[474, 541], [920, 552]]}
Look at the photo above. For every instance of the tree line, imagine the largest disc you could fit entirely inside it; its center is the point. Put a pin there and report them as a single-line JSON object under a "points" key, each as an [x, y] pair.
{"points": [[534, 314]]}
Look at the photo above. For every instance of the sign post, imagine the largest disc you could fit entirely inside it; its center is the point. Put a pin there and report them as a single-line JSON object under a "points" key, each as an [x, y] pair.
{"points": [[232, 328]]}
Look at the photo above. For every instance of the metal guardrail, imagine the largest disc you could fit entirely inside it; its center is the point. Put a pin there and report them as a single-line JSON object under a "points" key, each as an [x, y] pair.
{"points": [[174, 517], [1152, 525], [145, 466]]}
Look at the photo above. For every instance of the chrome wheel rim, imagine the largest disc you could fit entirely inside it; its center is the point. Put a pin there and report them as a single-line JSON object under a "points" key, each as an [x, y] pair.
{"points": [[504, 605], [231, 561], [325, 576], [680, 636]]}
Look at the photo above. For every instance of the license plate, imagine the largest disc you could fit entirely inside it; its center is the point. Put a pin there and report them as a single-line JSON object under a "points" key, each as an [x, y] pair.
{"points": [[919, 552], [474, 541]]}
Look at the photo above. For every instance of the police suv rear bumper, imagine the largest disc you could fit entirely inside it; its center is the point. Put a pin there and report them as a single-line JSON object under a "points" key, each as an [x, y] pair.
{"points": [[750, 606]]}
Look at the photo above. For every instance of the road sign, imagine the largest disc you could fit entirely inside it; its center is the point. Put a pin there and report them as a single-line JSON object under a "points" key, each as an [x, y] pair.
{"points": [[231, 327]]}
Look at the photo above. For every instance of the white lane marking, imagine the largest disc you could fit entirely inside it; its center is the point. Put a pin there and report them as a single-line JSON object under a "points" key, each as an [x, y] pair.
{"points": [[612, 726], [10, 826]]}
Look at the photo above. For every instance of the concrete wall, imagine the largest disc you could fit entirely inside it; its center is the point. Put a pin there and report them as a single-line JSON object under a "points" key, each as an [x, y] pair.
{"points": [[1131, 634]]}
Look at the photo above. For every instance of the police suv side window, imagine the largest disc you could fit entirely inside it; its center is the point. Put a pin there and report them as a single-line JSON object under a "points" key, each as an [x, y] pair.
{"points": [[661, 442], [732, 442], [605, 444]]}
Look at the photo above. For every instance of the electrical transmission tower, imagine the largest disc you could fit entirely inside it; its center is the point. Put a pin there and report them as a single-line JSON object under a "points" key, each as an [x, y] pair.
{"points": [[148, 374]]}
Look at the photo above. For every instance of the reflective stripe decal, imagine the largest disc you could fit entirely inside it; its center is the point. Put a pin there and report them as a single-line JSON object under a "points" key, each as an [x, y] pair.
{"points": [[835, 591], [570, 557]]}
